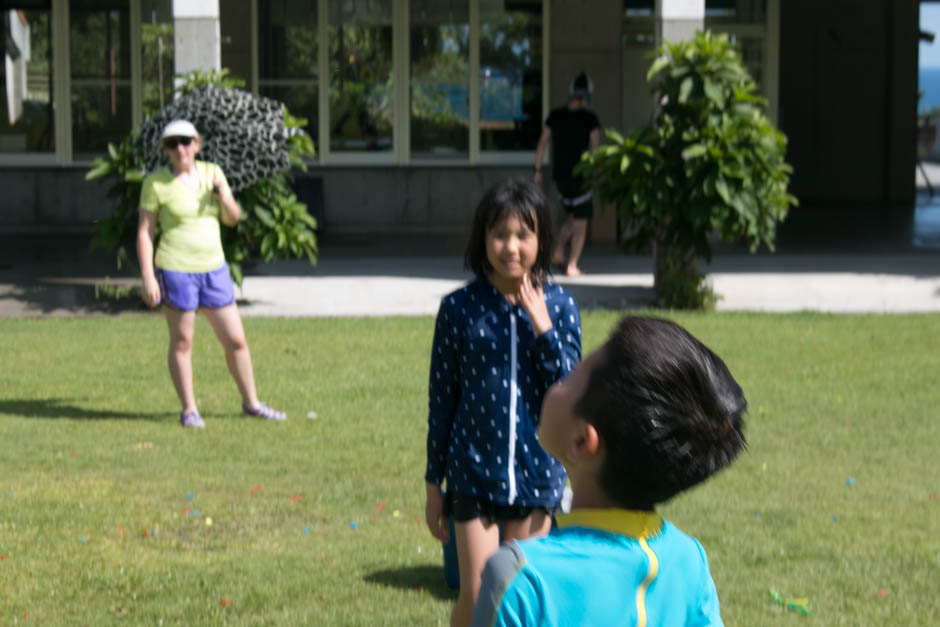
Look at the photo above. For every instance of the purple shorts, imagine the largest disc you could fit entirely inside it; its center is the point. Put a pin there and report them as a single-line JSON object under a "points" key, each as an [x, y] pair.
{"points": [[187, 291]]}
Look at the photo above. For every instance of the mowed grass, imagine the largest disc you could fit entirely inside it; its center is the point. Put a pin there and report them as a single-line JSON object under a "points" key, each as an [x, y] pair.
{"points": [[105, 502]]}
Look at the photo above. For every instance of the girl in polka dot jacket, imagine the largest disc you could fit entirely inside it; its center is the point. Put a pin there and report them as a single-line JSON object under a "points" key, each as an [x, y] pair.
{"points": [[499, 343]]}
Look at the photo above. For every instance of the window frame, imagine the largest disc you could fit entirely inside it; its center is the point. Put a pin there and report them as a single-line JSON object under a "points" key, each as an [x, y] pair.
{"points": [[768, 32], [256, 82], [59, 82], [63, 155], [400, 155], [62, 83]]}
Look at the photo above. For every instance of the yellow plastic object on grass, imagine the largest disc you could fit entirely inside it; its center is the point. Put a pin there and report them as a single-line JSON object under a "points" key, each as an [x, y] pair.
{"points": [[801, 605]]}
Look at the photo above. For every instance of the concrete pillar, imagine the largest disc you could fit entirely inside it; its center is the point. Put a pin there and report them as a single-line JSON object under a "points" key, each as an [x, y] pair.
{"points": [[677, 20], [196, 35]]}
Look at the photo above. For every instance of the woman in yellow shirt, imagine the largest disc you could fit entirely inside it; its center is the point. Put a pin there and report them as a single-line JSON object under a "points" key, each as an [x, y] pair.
{"points": [[189, 272]]}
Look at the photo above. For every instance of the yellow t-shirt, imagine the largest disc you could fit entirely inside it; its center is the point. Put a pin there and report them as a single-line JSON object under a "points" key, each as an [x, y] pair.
{"points": [[190, 240]]}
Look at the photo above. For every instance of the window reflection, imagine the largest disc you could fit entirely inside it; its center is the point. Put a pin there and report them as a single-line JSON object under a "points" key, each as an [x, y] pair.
{"points": [[99, 51], [751, 50], [738, 11], [27, 124], [510, 74], [156, 31], [440, 40], [288, 57], [734, 17], [637, 8], [361, 77]]}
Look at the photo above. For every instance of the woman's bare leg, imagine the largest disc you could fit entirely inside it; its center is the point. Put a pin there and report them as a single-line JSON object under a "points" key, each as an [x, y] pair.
{"points": [[181, 325], [228, 328]]}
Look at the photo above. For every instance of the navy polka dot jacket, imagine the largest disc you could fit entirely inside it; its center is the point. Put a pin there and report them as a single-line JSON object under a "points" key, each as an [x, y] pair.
{"points": [[489, 373]]}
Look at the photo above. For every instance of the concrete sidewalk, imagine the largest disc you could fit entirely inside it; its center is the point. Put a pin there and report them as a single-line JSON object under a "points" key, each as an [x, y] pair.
{"points": [[839, 283], [847, 260], [347, 283], [831, 260]]}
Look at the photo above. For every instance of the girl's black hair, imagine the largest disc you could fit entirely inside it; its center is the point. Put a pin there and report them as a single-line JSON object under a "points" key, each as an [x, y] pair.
{"points": [[511, 197]]}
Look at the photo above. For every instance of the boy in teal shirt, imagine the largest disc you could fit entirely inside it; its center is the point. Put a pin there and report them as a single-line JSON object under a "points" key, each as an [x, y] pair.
{"points": [[651, 413]]}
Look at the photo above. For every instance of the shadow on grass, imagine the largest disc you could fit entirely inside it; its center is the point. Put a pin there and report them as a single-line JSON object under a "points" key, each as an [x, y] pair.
{"points": [[61, 408], [65, 297], [611, 297], [429, 578]]}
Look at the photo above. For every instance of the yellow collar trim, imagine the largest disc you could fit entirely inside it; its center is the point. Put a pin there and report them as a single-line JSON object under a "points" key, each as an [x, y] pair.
{"points": [[626, 522]]}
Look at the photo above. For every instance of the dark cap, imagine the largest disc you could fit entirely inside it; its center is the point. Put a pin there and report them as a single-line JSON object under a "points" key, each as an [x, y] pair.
{"points": [[581, 87]]}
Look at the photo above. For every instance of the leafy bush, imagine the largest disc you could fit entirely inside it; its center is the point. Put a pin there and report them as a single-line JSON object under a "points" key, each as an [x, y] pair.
{"points": [[710, 162], [200, 78], [274, 224]]}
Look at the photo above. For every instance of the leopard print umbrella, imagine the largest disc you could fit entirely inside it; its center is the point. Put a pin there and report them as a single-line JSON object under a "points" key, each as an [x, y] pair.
{"points": [[243, 133]]}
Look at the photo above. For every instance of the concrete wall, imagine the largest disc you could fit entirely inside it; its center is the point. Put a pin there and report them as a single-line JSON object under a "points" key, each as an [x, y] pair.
{"points": [[354, 199], [848, 100], [196, 36], [678, 19], [53, 199], [389, 199]]}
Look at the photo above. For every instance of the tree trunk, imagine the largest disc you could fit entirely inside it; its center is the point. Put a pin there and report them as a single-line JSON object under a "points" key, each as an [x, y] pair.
{"points": [[676, 278]]}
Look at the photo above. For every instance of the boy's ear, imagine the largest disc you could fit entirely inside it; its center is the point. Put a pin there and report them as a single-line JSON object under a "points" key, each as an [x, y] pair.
{"points": [[586, 443]]}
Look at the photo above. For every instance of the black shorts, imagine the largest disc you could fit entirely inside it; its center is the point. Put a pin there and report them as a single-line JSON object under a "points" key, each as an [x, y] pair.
{"points": [[581, 207], [464, 508]]}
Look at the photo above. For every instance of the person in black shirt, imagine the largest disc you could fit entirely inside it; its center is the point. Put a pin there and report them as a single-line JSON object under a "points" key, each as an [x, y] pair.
{"points": [[572, 129]]}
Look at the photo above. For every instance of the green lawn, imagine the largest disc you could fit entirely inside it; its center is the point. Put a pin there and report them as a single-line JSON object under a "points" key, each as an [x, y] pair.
{"points": [[106, 503]]}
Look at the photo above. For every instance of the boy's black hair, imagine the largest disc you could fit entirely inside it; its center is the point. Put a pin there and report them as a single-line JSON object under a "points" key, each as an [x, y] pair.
{"points": [[517, 197], [667, 409]]}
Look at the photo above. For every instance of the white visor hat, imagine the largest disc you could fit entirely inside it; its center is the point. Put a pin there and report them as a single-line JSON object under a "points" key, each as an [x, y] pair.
{"points": [[179, 128]]}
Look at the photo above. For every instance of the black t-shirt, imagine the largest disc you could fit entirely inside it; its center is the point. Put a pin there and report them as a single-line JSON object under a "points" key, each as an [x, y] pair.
{"points": [[571, 136]]}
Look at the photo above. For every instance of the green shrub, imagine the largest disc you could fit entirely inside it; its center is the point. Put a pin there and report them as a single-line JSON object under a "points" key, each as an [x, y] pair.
{"points": [[274, 224], [710, 162], [200, 78]]}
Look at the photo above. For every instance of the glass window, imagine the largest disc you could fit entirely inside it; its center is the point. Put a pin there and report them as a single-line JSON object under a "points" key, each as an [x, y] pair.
{"points": [[156, 32], [638, 38], [738, 11], [751, 50], [440, 78], [510, 74], [361, 83], [288, 57], [99, 50], [637, 8], [27, 120]]}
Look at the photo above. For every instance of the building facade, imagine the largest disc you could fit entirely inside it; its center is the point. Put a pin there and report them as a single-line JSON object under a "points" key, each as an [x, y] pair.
{"points": [[416, 105]]}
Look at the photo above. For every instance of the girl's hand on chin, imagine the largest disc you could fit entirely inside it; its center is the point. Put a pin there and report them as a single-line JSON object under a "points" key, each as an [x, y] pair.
{"points": [[533, 300]]}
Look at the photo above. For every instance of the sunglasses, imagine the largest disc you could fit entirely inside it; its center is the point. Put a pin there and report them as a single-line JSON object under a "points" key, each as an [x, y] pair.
{"points": [[173, 142]]}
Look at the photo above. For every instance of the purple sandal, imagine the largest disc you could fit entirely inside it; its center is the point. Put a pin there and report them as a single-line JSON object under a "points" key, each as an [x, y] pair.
{"points": [[192, 420], [263, 411]]}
